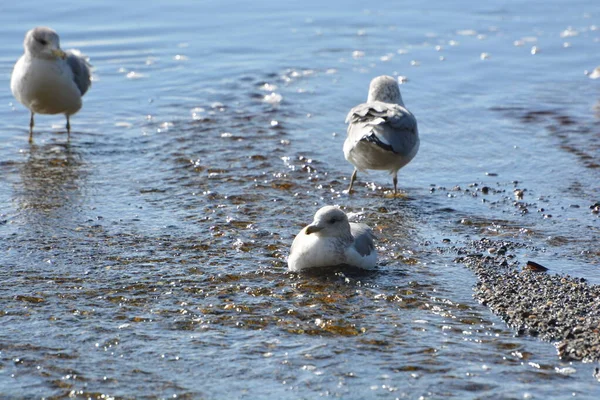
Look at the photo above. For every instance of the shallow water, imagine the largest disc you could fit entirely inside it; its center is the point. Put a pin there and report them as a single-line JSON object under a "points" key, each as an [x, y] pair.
{"points": [[146, 257]]}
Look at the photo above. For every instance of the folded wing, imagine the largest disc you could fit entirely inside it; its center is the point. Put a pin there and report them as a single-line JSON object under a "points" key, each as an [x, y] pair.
{"points": [[82, 71], [363, 239], [389, 126]]}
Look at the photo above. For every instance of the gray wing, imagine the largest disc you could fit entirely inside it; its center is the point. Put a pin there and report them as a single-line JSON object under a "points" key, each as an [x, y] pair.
{"points": [[389, 126], [363, 238], [82, 71]]}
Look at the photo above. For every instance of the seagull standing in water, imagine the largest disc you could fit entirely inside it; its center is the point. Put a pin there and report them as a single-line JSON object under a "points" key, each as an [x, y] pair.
{"points": [[48, 80], [382, 133], [331, 240]]}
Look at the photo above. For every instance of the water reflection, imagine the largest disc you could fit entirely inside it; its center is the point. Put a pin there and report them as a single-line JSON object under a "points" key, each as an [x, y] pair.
{"points": [[52, 178]]}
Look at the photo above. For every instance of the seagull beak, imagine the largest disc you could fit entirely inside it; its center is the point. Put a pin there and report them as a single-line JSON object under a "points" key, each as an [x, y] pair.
{"points": [[312, 229], [59, 53]]}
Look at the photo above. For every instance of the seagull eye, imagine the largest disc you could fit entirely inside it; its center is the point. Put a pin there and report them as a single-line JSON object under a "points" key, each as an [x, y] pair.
{"points": [[332, 220], [43, 42]]}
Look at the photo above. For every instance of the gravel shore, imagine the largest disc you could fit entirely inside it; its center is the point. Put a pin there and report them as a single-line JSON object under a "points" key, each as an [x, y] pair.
{"points": [[557, 308]]}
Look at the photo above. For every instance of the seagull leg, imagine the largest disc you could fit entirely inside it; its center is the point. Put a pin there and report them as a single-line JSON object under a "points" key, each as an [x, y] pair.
{"points": [[68, 129], [396, 194], [31, 128], [352, 179]]}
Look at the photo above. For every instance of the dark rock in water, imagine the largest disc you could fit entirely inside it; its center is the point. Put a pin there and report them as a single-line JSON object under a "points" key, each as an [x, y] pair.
{"points": [[534, 267]]}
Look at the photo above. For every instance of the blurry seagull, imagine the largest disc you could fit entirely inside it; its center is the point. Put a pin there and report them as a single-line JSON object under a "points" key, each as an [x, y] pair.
{"points": [[331, 240], [382, 134], [48, 80]]}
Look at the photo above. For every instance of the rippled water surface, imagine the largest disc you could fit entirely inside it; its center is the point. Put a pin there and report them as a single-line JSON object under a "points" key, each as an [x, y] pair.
{"points": [[145, 257]]}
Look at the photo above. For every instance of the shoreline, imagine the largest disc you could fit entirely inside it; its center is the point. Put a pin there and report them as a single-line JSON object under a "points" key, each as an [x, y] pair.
{"points": [[556, 308]]}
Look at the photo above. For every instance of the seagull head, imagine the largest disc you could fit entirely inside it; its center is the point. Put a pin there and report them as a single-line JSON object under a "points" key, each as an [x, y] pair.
{"points": [[385, 89], [330, 221], [43, 42]]}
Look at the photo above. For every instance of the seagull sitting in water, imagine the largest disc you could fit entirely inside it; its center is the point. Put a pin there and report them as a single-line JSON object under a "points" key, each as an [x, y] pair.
{"points": [[382, 133], [48, 80], [331, 240]]}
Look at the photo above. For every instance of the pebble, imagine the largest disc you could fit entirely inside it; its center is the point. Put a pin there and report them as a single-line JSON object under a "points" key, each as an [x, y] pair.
{"points": [[518, 194]]}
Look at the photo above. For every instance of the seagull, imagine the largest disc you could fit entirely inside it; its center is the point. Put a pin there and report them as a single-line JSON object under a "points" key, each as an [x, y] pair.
{"points": [[330, 240], [382, 133], [48, 80]]}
